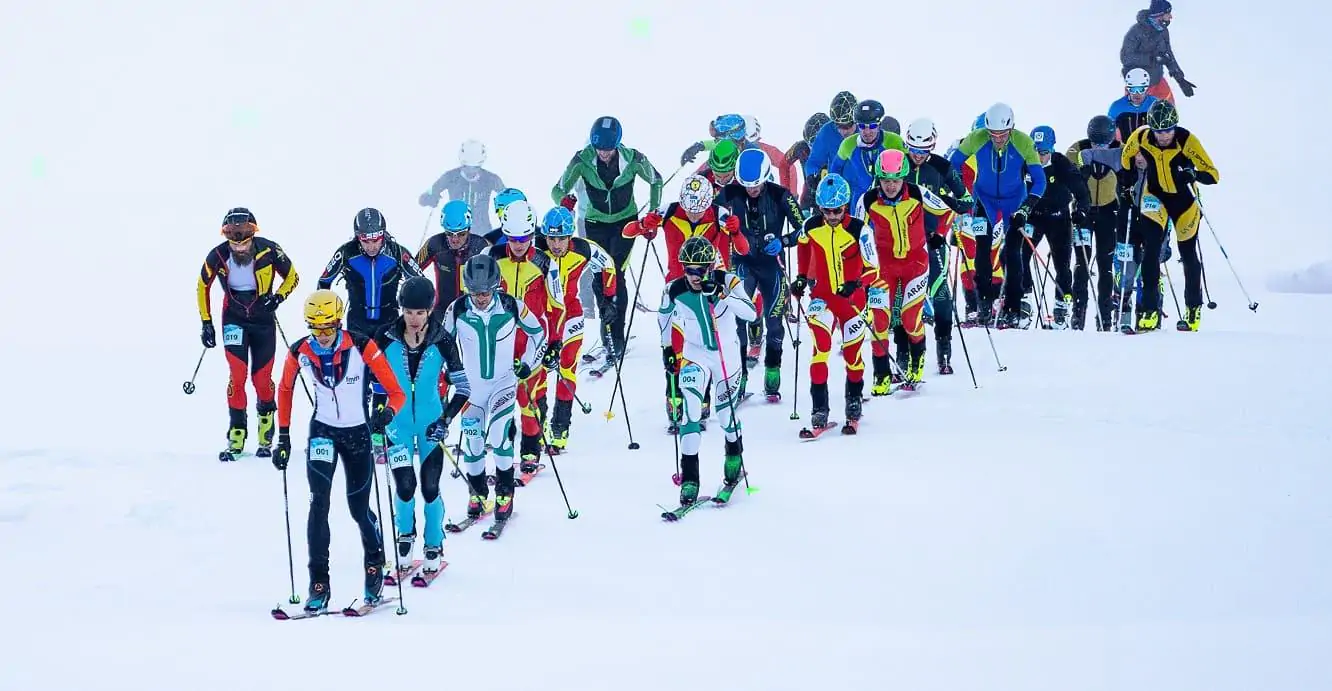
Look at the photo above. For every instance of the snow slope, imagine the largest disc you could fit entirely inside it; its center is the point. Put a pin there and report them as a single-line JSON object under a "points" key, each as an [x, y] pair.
{"points": [[1109, 513]]}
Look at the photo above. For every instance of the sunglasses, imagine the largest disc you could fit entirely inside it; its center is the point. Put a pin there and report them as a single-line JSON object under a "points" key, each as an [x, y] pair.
{"points": [[370, 237], [696, 270], [868, 126], [1137, 90], [917, 151], [838, 212], [324, 330], [1045, 152], [239, 232], [520, 238]]}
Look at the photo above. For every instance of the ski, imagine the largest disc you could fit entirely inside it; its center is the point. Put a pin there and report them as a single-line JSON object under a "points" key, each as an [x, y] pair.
{"points": [[1182, 325], [527, 477], [673, 515], [423, 579], [851, 427], [601, 370], [281, 615], [593, 355], [470, 520], [496, 529], [263, 452], [807, 434], [230, 456], [352, 611], [774, 397], [391, 578]]}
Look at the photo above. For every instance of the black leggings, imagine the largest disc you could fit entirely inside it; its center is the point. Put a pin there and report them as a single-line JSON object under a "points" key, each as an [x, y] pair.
{"points": [[943, 294], [1104, 223], [1058, 232], [352, 446], [610, 237], [767, 277], [432, 468]]}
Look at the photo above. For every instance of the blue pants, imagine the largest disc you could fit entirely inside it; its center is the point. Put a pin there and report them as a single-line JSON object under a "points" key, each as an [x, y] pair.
{"points": [[409, 437]]}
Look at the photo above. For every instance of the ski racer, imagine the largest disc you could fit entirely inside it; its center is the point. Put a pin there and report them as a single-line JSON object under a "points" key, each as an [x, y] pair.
{"points": [[901, 228], [338, 365], [1098, 159], [569, 259], [824, 147], [1176, 160], [608, 170], [763, 208], [1004, 159], [1147, 46], [700, 315], [423, 356], [1129, 112], [720, 168], [855, 157], [800, 153], [503, 199], [248, 266], [754, 140], [1050, 219], [449, 250], [469, 183], [485, 323], [830, 265]]}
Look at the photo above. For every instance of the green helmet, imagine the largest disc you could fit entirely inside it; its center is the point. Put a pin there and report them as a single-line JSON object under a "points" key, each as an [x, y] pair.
{"points": [[697, 251], [722, 158], [1162, 115], [891, 164]]}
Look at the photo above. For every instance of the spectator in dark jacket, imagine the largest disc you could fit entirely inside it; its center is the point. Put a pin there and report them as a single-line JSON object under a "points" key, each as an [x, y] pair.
{"points": [[1147, 45]]}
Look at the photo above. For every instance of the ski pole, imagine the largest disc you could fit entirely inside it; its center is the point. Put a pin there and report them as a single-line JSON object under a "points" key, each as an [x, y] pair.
{"points": [[795, 344], [536, 412], [955, 275], [291, 562], [585, 407], [1253, 306], [1202, 268], [1086, 252], [732, 395], [619, 368], [189, 385], [1171, 282], [393, 516], [300, 372], [426, 228], [677, 478]]}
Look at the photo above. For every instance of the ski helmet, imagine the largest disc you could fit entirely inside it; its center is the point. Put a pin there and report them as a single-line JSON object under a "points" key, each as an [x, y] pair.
{"points": [[813, 125], [752, 168], [324, 309], [239, 216], [891, 164], [1044, 139], [999, 118], [922, 135], [472, 153], [752, 129], [695, 194], [730, 126], [456, 217], [869, 112], [558, 223], [1101, 130], [606, 133], [1137, 78], [1162, 116], [723, 156], [519, 221], [416, 293], [369, 224], [833, 192], [697, 251], [890, 124], [481, 274], [505, 197], [842, 110]]}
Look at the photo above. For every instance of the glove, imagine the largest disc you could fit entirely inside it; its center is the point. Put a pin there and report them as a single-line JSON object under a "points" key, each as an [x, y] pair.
{"points": [[1185, 173], [521, 369], [438, 431], [1019, 218], [935, 241], [772, 245], [650, 223], [382, 418], [798, 286], [427, 199], [668, 358], [569, 202], [269, 303], [732, 224], [1165, 250], [691, 153], [551, 359], [283, 453], [209, 336], [1185, 86], [847, 288], [799, 151], [606, 307], [714, 286], [1080, 217]]}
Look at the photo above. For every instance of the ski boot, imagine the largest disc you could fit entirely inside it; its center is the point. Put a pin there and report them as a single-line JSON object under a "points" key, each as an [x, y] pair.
{"points": [[1192, 319], [480, 491], [504, 495], [914, 371], [1010, 320], [772, 384], [818, 418], [558, 438], [883, 376], [755, 349], [731, 471], [529, 453], [265, 411], [405, 543], [985, 315], [970, 312], [854, 391], [236, 435], [1026, 310], [688, 493], [1079, 321], [1061, 310], [316, 602], [434, 558], [903, 356], [943, 352], [374, 581], [1149, 321]]}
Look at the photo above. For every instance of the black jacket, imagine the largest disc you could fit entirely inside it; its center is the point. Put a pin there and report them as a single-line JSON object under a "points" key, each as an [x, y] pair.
{"points": [[372, 282], [1064, 185], [763, 215], [937, 175]]}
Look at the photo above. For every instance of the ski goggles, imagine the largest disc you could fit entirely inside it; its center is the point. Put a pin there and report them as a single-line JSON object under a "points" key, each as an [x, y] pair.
{"points": [[867, 125], [917, 151], [518, 238], [696, 270], [1137, 90], [324, 330], [370, 237], [239, 232]]}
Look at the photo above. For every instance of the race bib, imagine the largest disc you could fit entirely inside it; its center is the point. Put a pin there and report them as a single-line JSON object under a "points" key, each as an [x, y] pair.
{"points": [[1150, 204], [399, 457], [817, 306], [980, 226], [321, 450], [1083, 237], [878, 298], [1124, 252], [471, 427], [232, 335], [691, 376]]}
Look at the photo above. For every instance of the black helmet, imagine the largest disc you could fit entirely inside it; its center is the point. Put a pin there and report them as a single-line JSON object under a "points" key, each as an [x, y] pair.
{"points": [[481, 274], [369, 223], [890, 124], [1162, 115], [239, 215], [697, 251], [813, 125], [869, 112], [416, 293], [1101, 130], [842, 110], [606, 133]]}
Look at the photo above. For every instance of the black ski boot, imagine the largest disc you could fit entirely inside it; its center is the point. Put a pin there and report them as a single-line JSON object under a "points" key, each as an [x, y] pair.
{"points": [[479, 493], [943, 350], [316, 602], [818, 394], [883, 376], [503, 494], [374, 578], [529, 454], [985, 315], [854, 391], [1079, 321]]}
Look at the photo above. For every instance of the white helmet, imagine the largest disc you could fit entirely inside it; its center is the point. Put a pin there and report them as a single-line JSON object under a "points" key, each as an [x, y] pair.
{"points": [[921, 134], [751, 129], [519, 220], [472, 153], [1137, 78], [695, 194], [999, 118]]}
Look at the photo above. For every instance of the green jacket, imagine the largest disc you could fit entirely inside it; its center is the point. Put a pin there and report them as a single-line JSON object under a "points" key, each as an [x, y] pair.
{"points": [[616, 202]]}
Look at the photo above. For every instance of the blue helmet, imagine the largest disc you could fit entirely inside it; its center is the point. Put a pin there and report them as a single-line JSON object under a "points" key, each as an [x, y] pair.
{"points": [[606, 133], [833, 192], [730, 126], [1044, 138], [979, 124], [505, 197], [558, 223], [456, 217], [752, 168]]}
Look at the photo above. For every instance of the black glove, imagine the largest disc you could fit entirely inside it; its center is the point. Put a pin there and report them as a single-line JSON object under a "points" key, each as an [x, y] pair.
{"points": [[283, 452], [606, 307], [1185, 86], [689, 154], [521, 369], [209, 336], [669, 358], [848, 288], [382, 417], [935, 241], [1185, 173], [438, 431], [1019, 218], [551, 359], [798, 286], [269, 303], [1080, 217], [799, 151], [714, 285]]}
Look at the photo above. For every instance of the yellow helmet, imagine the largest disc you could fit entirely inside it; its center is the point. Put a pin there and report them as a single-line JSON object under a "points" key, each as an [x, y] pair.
{"points": [[324, 308]]}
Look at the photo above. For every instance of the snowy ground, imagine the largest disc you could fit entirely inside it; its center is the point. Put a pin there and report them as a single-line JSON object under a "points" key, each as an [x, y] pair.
{"points": [[1112, 512]]}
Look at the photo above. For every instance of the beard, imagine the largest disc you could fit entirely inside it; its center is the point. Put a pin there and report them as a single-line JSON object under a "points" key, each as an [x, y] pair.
{"points": [[243, 258]]}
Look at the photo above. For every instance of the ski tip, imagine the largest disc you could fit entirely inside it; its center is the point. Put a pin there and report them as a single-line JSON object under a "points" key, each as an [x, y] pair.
{"points": [[279, 614]]}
